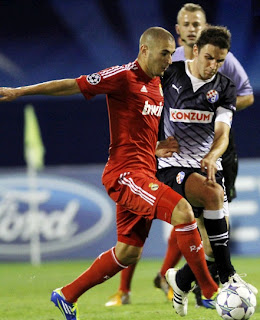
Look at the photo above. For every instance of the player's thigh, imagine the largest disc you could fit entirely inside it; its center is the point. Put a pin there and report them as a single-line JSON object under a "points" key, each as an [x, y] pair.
{"points": [[199, 191], [132, 229], [137, 192]]}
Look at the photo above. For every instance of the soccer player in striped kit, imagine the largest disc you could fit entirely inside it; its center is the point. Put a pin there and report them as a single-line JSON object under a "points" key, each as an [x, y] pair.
{"points": [[135, 102], [191, 19], [198, 111]]}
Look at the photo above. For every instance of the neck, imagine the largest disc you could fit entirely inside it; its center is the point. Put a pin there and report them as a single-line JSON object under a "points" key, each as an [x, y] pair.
{"points": [[193, 69], [188, 52], [144, 67]]}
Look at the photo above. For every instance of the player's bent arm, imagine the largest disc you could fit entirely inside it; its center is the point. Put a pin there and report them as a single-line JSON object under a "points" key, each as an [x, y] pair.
{"points": [[244, 101], [219, 146], [54, 88], [233, 69], [166, 148], [221, 140]]}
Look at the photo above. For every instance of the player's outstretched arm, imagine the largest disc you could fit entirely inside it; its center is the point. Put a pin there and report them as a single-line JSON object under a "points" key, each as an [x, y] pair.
{"points": [[53, 88]]}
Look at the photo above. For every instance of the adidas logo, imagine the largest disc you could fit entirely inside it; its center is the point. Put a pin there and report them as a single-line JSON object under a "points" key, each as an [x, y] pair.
{"points": [[143, 89]]}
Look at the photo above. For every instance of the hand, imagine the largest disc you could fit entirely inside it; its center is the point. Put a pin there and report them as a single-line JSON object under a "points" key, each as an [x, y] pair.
{"points": [[9, 94], [165, 148], [209, 166]]}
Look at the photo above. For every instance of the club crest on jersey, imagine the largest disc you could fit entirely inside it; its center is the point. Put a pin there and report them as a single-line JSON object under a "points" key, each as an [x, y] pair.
{"points": [[161, 90], [153, 186], [93, 78], [212, 96], [180, 177]]}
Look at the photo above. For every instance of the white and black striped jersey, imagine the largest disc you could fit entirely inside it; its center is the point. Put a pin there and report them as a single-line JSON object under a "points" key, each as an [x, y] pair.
{"points": [[190, 109]]}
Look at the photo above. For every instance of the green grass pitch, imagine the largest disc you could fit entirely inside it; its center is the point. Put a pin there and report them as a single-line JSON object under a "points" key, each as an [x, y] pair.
{"points": [[25, 292]]}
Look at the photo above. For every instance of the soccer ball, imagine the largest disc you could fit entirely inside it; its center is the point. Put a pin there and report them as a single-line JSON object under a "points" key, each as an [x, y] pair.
{"points": [[236, 301]]}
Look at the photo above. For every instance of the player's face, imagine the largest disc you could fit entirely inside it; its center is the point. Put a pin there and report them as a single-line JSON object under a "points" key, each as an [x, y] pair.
{"points": [[159, 57], [208, 60], [189, 26]]}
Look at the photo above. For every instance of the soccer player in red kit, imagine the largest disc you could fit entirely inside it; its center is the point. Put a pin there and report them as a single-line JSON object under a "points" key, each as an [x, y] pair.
{"points": [[135, 101]]}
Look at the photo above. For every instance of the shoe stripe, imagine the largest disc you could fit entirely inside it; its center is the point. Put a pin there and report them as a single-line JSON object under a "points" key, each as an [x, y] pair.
{"points": [[66, 308], [177, 301], [177, 298], [61, 309]]}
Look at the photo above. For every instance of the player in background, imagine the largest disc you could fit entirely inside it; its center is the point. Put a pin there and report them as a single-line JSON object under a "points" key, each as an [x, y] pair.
{"points": [[135, 102], [191, 20]]}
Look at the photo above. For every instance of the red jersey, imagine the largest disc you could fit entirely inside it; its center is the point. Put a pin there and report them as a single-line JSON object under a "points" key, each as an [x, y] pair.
{"points": [[135, 103]]}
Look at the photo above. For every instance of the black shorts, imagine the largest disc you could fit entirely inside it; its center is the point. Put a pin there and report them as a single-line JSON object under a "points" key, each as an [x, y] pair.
{"points": [[175, 177]]}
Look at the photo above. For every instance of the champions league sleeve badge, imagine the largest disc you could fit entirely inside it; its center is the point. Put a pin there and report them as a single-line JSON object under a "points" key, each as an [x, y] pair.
{"points": [[93, 78], [212, 96], [180, 176]]}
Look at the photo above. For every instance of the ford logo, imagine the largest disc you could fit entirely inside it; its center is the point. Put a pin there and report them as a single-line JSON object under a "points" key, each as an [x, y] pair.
{"points": [[63, 212]]}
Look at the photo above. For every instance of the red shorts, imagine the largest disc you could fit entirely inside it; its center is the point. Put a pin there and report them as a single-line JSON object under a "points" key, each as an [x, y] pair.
{"points": [[140, 198]]}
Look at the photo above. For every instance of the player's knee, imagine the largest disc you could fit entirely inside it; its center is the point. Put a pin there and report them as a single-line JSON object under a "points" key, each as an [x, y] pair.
{"points": [[133, 257], [214, 195], [182, 213], [128, 254]]}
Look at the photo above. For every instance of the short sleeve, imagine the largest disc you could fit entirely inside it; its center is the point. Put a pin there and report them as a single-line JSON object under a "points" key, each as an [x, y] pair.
{"points": [[233, 69], [108, 81], [229, 95]]}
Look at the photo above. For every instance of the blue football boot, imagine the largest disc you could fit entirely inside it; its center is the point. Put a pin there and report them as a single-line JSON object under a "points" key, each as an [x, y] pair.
{"points": [[69, 310]]}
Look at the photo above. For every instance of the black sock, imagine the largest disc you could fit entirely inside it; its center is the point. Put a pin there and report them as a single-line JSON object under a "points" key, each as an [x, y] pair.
{"points": [[219, 240], [184, 278], [213, 271]]}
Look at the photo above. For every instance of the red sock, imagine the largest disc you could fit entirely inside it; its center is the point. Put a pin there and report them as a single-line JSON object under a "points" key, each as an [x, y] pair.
{"points": [[173, 254], [104, 267], [189, 242], [126, 278]]}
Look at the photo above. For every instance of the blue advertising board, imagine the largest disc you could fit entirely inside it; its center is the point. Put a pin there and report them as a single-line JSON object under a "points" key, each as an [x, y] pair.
{"points": [[73, 218]]}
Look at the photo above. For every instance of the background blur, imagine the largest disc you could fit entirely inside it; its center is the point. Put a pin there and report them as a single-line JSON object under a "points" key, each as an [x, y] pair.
{"points": [[50, 39], [43, 40]]}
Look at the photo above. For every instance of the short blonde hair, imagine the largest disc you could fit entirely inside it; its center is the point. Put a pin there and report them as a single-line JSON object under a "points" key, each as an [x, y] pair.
{"points": [[191, 7]]}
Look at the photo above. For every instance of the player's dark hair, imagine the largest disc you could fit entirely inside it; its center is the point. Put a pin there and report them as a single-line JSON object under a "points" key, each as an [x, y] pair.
{"points": [[190, 7], [218, 36]]}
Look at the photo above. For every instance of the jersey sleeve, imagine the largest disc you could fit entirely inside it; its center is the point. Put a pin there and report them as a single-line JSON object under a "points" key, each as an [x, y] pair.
{"points": [[169, 72], [108, 81], [178, 54], [229, 95], [234, 70], [224, 115]]}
